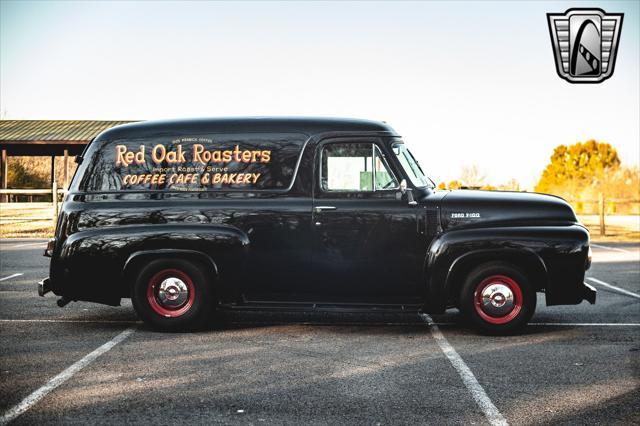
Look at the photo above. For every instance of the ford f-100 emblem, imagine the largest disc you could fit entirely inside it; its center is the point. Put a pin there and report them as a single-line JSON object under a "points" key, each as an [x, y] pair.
{"points": [[465, 215], [585, 43]]}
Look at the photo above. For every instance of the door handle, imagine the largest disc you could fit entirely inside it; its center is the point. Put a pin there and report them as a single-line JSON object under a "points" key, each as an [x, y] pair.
{"points": [[319, 209]]}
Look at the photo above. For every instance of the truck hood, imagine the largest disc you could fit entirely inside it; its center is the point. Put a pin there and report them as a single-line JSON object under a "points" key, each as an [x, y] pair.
{"points": [[496, 208]]}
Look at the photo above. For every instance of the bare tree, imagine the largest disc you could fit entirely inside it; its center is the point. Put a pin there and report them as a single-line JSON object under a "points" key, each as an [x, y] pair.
{"points": [[511, 185], [472, 176]]}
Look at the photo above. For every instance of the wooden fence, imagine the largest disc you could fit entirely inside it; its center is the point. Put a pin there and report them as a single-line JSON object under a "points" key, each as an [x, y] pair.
{"points": [[604, 206], [55, 200]]}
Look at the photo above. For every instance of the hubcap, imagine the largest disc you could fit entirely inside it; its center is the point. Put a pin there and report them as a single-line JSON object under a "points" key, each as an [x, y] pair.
{"points": [[497, 299], [172, 292]]}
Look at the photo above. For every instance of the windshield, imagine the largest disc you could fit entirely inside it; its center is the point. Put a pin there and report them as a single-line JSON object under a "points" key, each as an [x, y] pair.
{"points": [[411, 166]]}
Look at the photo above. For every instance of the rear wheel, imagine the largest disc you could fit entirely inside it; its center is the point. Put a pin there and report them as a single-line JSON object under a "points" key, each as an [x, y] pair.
{"points": [[497, 298], [172, 294]]}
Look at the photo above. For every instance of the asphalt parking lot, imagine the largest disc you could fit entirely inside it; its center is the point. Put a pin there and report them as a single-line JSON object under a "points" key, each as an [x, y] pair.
{"points": [[91, 364]]}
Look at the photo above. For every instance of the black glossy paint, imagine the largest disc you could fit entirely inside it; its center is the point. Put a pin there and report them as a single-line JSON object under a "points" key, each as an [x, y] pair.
{"points": [[271, 247]]}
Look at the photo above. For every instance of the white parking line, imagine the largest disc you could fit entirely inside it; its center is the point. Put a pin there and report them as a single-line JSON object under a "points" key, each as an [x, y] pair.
{"points": [[52, 384], [613, 287], [394, 324], [479, 395], [40, 243], [11, 276], [611, 248], [587, 324], [73, 321]]}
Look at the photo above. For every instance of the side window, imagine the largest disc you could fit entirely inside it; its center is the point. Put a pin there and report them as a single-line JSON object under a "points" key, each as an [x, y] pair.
{"points": [[245, 162], [354, 167]]}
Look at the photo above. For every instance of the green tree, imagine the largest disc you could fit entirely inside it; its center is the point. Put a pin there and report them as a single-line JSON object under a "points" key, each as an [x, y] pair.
{"points": [[575, 167]]}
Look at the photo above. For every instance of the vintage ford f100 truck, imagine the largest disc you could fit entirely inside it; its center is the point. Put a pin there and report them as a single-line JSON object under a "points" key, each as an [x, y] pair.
{"points": [[186, 217]]}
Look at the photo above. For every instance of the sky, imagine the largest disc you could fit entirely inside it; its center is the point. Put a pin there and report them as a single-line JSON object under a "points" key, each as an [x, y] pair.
{"points": [[463, 82]]}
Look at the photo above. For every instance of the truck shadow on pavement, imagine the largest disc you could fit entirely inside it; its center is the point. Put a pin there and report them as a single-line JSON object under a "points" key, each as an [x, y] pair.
{"points": [[349, 322]]}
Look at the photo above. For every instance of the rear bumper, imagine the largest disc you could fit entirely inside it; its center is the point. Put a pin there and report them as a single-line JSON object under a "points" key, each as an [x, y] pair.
{"points": [[44, 287], [589, 293]]}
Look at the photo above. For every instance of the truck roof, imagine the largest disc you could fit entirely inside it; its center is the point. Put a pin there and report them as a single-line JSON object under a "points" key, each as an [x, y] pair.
{"points": [[305, 125]]}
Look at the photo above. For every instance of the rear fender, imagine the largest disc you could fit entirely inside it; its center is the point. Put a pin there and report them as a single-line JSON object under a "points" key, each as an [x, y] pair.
{"points": [[94, 264], [133, 263]]}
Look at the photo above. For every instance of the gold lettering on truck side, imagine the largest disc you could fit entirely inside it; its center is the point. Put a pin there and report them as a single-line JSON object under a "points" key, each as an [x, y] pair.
{"points": [[198, 171]]}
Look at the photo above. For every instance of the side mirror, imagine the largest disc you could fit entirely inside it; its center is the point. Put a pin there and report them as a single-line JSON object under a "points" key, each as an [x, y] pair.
{"points": [[408, 191]]}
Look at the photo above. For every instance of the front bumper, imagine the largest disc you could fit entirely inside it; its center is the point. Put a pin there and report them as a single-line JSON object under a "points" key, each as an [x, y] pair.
{"points": [[587, 262], [589, 293], [44, 287]]}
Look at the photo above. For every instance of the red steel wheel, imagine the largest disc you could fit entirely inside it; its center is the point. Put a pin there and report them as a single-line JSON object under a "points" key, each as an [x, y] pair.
{"points": [[498, 299], [170, 293]]}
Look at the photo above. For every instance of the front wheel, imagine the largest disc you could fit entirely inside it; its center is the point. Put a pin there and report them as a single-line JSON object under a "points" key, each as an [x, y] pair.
{"points": [[172, 295], [497, 298]]}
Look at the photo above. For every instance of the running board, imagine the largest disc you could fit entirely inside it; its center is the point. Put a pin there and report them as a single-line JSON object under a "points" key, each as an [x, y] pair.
{"points": [[320, 307]]}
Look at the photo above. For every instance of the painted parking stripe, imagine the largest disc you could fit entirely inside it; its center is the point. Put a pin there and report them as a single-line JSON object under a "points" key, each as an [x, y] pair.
{"points": [[394, 324], [586, 324], [52, 384], [72, 321], [11, 276], [611, 248], [43, 244], [479, 395], [613, 287]]}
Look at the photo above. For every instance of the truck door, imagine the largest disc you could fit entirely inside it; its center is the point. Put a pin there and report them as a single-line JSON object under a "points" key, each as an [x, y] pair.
{"points": [[364, 238]]}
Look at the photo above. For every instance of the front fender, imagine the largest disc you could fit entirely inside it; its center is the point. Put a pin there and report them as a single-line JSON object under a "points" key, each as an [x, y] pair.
{"points": [[90, 264], [548, 254]]}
